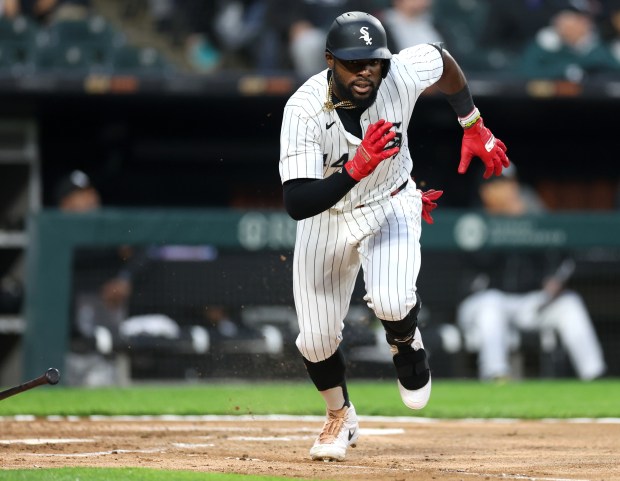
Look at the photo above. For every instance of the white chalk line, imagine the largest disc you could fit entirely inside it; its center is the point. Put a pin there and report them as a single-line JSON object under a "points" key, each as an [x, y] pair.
{"points": [[311, 435], [193, 445], [39, 441]]}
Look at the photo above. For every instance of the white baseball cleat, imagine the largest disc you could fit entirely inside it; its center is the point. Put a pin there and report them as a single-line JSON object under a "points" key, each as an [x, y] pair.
{"points": [[416, 398], [414, 376], [341, 430]]}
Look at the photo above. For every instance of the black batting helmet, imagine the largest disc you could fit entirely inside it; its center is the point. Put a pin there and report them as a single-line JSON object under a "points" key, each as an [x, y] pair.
{"points": [[356, 36]]}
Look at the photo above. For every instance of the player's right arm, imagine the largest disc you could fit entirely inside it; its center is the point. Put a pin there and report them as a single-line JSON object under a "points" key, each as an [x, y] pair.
{"points": [[306, 197]]}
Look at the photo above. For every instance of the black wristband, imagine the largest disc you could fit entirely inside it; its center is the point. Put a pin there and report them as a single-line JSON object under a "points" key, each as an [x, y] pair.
{"points": [[462, 102]]}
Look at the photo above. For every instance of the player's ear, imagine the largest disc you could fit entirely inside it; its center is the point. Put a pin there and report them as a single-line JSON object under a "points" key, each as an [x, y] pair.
{"points": [[330, 60]]}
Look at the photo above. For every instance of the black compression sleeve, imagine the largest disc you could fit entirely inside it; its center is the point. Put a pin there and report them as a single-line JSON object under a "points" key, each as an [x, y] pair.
{"points": [[305, 198], [462, 102]]}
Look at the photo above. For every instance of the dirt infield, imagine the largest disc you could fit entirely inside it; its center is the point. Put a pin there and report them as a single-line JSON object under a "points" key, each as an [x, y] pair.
{"points": [[388, 449]]}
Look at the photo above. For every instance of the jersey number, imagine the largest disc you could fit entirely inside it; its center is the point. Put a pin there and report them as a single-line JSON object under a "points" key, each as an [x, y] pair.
{"points": [[397, 141], [338, 163]]}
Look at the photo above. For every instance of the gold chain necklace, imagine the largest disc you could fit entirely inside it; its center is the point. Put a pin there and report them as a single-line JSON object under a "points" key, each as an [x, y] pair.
{"points": [[329, 105]]}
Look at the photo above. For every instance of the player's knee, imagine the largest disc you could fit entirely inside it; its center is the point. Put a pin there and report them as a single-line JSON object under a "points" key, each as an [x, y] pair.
{"points": [[570, 299], [401, 331], [394, 311], [316, 347], [567, 307]]}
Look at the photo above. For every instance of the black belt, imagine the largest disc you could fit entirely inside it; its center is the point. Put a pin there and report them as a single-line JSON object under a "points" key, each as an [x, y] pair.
{"points": [[399, 188], [393, 193]]}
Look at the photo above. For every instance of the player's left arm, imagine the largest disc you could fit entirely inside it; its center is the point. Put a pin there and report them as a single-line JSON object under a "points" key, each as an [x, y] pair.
{"points": [[477, 139]]}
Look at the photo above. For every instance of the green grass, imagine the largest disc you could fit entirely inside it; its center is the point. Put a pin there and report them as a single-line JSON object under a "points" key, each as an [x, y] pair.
{"points": [[450, 399]]}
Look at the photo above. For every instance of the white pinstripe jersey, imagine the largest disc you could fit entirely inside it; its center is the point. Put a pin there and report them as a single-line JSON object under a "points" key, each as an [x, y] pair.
{"points": [[314, 143]]}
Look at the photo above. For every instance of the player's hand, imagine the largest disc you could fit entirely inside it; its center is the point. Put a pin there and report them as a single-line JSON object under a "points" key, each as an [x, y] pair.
{"points": [[479, 141], [372, 150], [428, 204]]}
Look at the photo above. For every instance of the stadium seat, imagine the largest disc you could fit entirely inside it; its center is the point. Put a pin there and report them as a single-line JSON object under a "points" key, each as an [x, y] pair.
{"points": [[78, 45], [16, 57], [81, 58], [93, 29], [17, 29], [129, 59], [17, 44]]}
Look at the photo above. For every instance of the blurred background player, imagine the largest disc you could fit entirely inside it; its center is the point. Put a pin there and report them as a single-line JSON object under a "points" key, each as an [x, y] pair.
{"points": [[96, 302], [509, 26], [570, 47], [410, 22], [529, 294], [76, 193]]}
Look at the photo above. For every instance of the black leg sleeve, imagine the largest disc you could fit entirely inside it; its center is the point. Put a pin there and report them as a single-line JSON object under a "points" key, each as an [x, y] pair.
{"points": [[328, 373]]}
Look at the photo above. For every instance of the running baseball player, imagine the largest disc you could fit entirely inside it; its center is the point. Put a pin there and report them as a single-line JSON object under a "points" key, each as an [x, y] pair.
{"points": [[346, 169]]}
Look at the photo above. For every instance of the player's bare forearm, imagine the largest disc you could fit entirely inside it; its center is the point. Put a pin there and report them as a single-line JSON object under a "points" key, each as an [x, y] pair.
{"points": [[453, 79]]}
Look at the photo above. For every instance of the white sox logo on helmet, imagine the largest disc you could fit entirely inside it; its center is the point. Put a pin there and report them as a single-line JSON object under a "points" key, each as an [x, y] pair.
{"points": [[365, 35]]}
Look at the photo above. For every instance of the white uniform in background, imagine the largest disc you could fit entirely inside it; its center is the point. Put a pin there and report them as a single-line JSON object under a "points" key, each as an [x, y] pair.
{"points": [[490, 319]]}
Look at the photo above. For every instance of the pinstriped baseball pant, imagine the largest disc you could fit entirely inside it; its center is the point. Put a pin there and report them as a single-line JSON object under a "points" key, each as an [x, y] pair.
{"points": [[383, 238]]}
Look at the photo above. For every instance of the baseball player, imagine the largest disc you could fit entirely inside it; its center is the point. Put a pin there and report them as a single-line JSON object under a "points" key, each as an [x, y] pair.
{"points": [[346, 169]]}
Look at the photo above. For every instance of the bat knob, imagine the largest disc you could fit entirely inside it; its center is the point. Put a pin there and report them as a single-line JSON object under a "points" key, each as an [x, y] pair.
{"points": [[52, 375]]}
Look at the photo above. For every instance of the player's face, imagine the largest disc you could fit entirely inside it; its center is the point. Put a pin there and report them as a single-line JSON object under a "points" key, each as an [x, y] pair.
{"points": [[357, 80]]}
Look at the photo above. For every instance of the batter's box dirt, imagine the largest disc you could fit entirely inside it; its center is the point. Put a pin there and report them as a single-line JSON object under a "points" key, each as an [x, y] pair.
{"points": [[387, 450]]}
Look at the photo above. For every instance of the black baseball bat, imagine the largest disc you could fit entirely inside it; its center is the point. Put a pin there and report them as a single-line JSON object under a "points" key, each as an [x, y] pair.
{"points": [[51, 376]]}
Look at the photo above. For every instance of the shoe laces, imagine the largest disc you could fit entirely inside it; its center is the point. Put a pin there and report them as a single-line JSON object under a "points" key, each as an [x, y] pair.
{"points": [[333, 425]]}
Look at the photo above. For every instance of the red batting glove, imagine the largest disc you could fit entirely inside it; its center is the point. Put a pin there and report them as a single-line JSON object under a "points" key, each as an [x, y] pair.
{"points": [[479, 141], [428, 205], [371, 150]]}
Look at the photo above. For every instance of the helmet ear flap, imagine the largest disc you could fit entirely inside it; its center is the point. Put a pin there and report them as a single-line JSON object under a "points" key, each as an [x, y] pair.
{"points": [[385, 67]]}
